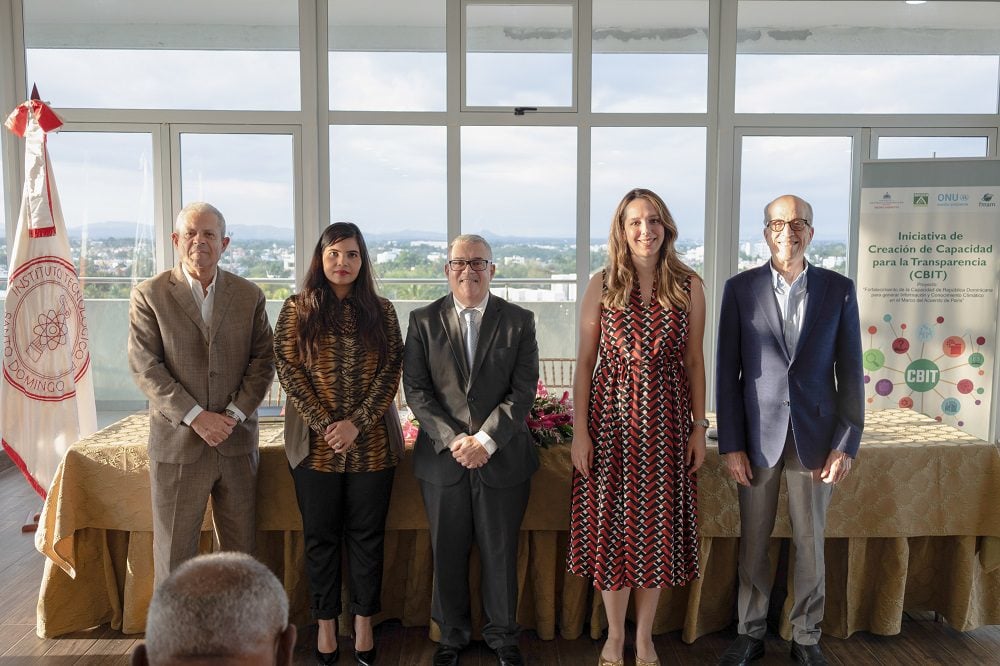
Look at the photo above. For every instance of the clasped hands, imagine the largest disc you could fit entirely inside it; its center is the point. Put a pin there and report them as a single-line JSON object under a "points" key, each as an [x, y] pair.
{"points": [[340, 436], [469, 452], [213, 427]]}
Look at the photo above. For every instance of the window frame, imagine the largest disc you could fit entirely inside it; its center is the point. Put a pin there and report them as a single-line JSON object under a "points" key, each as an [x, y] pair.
{"points": [[575, 40]]}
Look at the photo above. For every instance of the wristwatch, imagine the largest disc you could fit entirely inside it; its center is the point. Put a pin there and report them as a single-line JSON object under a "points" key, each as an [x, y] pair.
{"points": [[236, 417], [700, 422]]}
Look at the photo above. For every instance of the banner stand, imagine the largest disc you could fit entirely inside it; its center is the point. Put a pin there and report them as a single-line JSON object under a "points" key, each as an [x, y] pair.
{"points": [[928, 241]]}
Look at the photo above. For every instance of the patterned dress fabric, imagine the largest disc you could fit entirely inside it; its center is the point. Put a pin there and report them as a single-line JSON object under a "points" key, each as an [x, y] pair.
{"points": [[634, 521], [345, 382]]}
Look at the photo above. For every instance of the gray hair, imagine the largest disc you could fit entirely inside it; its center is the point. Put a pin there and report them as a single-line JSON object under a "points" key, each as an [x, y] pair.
{"points": [[197, 208], [223, 604], [470, 238]]}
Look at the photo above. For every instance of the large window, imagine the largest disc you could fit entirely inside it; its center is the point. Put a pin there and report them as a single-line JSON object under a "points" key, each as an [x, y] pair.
{"points": [[519, 55], [816, 168], [105, 185], [402, 116], [668, 160], [916, 147], [387, 60], [392, 182], [248, 177], [145, 54], [879, 56], [519, 191], [650, 57]]}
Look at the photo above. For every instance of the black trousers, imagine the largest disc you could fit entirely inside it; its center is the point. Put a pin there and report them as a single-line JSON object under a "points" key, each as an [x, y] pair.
{"points": [[458, 515], [345, 508]]}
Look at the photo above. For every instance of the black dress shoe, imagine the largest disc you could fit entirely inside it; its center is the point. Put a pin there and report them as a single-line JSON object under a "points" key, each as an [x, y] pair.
{"points": [[742, 651], [509, 655], [365, 657], [327, 658], [446, 655], [810, 655]]}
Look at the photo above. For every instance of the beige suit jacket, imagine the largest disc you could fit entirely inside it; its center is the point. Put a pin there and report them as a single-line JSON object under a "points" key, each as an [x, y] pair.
{"points": [[178, 361]]}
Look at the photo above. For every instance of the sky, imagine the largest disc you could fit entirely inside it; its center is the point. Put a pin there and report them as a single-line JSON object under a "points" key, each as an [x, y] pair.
{"points": [[515, 180]]}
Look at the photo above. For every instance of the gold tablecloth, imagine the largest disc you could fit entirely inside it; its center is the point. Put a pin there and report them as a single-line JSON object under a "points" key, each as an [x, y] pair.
{"points": [[915, 526]]}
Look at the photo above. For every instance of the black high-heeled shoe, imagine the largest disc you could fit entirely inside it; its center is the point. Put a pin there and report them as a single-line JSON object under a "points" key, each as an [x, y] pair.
{"points": [[327, 658], [365, 657]]}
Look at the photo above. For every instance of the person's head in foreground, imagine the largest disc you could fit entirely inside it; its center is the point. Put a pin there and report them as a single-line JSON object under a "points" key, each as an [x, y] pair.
{"points": [[223, 608]]}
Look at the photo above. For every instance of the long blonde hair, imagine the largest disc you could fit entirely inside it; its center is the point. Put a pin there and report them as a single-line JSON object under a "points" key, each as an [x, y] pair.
{"points": [[671, 273]]}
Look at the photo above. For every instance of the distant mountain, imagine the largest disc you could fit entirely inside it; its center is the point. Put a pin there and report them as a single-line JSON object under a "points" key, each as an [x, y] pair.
{"points": [[112, 230], [131, 230], [404, 236], [260, 232]]}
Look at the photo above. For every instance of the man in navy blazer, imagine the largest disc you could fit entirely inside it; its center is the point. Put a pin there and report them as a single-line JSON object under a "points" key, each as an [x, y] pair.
{"points": [[790, 402], [470, 372]]}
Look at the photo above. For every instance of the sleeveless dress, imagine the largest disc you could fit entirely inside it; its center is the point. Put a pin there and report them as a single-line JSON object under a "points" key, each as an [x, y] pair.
{"points": [[634, 521]]}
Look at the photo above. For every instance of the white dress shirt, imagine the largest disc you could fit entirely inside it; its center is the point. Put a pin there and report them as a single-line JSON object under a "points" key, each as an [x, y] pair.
{"points": [[481, 436], [791, 305]]}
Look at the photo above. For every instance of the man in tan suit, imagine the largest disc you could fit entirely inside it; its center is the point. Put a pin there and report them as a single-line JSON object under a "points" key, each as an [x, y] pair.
{"points": [[199, 347]]}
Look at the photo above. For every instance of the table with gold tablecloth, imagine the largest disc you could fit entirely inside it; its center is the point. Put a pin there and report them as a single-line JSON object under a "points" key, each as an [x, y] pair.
{"points": [[915, 526]]}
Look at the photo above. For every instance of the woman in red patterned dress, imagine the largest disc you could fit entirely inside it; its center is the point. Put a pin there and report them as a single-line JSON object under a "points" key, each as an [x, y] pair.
{"points": [[641, 369]]}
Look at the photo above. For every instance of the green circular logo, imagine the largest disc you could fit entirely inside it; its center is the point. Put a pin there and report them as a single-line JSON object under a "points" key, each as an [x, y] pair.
{"points": [[976, 359], [922, 375], [873, 360]]}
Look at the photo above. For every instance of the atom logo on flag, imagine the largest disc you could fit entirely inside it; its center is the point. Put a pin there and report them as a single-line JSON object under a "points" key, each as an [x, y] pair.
{"points": [[51, 331]]}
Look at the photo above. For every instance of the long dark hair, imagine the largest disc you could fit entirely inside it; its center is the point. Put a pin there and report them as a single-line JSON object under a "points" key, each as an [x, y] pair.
{"points": [[319, 308]]}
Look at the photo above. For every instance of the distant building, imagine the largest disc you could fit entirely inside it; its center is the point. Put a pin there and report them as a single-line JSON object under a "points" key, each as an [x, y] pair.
{"points": [[694, 256], [552, 293], [386, 256]]}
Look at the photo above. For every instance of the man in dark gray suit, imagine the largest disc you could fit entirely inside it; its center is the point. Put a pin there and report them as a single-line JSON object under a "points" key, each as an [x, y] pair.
{"points": [[200, 348], [470, 371], [790, 401]]}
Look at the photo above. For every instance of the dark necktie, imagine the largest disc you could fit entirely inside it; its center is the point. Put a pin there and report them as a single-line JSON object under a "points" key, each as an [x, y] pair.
{"points": [[471, 334]]}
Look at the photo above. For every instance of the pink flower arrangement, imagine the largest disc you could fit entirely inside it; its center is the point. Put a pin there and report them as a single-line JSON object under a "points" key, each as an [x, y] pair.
{"points": [[410, 429], [550, 420]]}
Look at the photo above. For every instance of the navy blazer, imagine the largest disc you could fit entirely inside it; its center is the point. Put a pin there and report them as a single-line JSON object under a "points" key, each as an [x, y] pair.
{"points": [[494, 395], [760, 384]]}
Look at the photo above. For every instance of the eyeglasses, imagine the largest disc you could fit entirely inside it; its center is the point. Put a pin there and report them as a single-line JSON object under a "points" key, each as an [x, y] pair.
{"points": [[798, 224], [459, 265]]}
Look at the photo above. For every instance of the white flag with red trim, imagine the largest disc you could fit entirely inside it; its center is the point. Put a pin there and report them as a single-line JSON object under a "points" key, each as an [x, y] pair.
{"points": [[47, 393]]}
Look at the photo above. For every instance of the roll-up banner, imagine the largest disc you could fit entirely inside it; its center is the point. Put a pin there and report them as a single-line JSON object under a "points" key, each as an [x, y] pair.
{"points": [[928, 241]]}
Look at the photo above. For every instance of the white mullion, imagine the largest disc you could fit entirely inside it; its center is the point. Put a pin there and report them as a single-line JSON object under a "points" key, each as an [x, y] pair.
{"points": [[851, 120], [726, 223], [313, 181], [10, 147], [860, 151], [583, 85], [713, 165], [167, 157], [455, 94], [179, 116]]}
